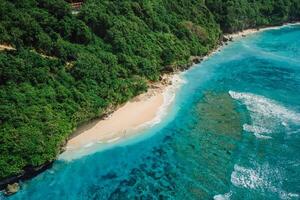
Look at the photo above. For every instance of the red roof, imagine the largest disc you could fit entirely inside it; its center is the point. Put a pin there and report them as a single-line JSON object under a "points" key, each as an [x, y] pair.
{"points": [[75, 4]]}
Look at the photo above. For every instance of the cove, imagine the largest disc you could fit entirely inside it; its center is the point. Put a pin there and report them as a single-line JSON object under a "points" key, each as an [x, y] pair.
{"points": [[233, 132]]}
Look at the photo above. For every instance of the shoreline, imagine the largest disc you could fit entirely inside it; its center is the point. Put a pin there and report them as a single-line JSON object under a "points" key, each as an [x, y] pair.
{"points": [[250, 31], [227, 38], [142, 112], [110, 130], [224, 40]]}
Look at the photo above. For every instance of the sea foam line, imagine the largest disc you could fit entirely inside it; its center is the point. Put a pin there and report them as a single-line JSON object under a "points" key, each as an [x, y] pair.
{"points": [[257, 131], [267, 107], [261, 177], [223, 196], [169, 95], [247, 178]]}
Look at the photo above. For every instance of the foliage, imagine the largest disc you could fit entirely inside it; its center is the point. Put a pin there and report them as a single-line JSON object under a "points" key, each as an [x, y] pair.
{"points": [[234, 15], [68, 69]]}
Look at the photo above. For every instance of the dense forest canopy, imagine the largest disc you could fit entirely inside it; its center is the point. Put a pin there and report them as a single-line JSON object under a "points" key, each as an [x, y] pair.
{"points": [[68, 69], [234, 15]]}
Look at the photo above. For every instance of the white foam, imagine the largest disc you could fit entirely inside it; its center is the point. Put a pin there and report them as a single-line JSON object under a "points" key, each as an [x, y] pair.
{"points": [[247, 178], [169, 96], [89, 145], [261, 177], [266, 107], [259, 136], [113, 140], [168, 99], [288, 195], [223, 196], [257, 131], [267, 116]]}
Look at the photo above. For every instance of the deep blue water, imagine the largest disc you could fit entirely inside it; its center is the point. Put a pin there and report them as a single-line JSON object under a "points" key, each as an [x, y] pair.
{"points": [[232, 133]]}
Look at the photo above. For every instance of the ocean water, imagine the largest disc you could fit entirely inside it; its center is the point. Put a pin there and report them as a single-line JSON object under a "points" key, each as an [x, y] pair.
{"points": [[233, 132]]}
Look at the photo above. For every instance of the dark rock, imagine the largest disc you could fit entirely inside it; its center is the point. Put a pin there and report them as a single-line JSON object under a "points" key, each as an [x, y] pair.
{"points": [[110, 175], [167, 138], [225, 39], [186, 66], [195, 59], [228, 152], [131, 182], [169, 69], [63, 149], [27, 173]]}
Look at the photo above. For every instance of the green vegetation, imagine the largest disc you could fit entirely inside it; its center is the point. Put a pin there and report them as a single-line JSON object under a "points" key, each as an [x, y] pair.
{"points": [[235, 15], [68, 69]]}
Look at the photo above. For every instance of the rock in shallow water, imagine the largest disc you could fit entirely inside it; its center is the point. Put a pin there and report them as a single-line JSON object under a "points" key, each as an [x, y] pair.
{"points": [[12, 189]]}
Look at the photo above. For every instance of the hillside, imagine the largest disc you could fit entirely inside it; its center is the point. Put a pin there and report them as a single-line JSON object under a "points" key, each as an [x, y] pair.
{"points": [[68, 69]]}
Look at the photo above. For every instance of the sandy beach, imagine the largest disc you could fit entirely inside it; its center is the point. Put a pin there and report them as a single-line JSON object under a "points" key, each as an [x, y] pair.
{"points": [[141, 112], [244, 33], [247, 32]]}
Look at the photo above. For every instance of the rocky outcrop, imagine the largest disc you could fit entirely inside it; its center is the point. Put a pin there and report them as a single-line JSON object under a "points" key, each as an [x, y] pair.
{"points": [[10, 183], [196, 59], [225, 39], [12, 189]]}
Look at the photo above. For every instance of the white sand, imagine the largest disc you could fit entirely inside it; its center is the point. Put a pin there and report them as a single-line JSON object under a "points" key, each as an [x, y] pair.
{"points": [[127, 120], [243, 33], [120, 123]]}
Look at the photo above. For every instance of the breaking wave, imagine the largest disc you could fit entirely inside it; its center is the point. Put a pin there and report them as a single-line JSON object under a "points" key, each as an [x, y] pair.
{"points": [[257, 131], [169, 97], [267, 115], [223, 196], [261, 177], [250, 178], [265, 106]]}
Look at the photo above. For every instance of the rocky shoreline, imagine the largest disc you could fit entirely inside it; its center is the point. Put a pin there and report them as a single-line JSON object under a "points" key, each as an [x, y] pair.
{"points": [[10, 185]]}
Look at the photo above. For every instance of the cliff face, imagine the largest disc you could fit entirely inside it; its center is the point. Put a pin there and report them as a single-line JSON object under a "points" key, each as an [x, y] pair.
{"points": [[66, 69]]}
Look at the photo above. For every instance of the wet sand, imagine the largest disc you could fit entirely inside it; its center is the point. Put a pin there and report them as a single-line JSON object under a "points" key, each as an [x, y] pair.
{"points": [[126, 120]]}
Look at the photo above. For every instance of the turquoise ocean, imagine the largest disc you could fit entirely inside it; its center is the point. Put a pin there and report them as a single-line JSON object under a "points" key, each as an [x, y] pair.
{"points": [[233, 132]]}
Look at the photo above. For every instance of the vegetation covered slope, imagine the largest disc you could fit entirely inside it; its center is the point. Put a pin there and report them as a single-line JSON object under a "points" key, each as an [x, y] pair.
{"points": [[234, 15], [68, 69]]}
